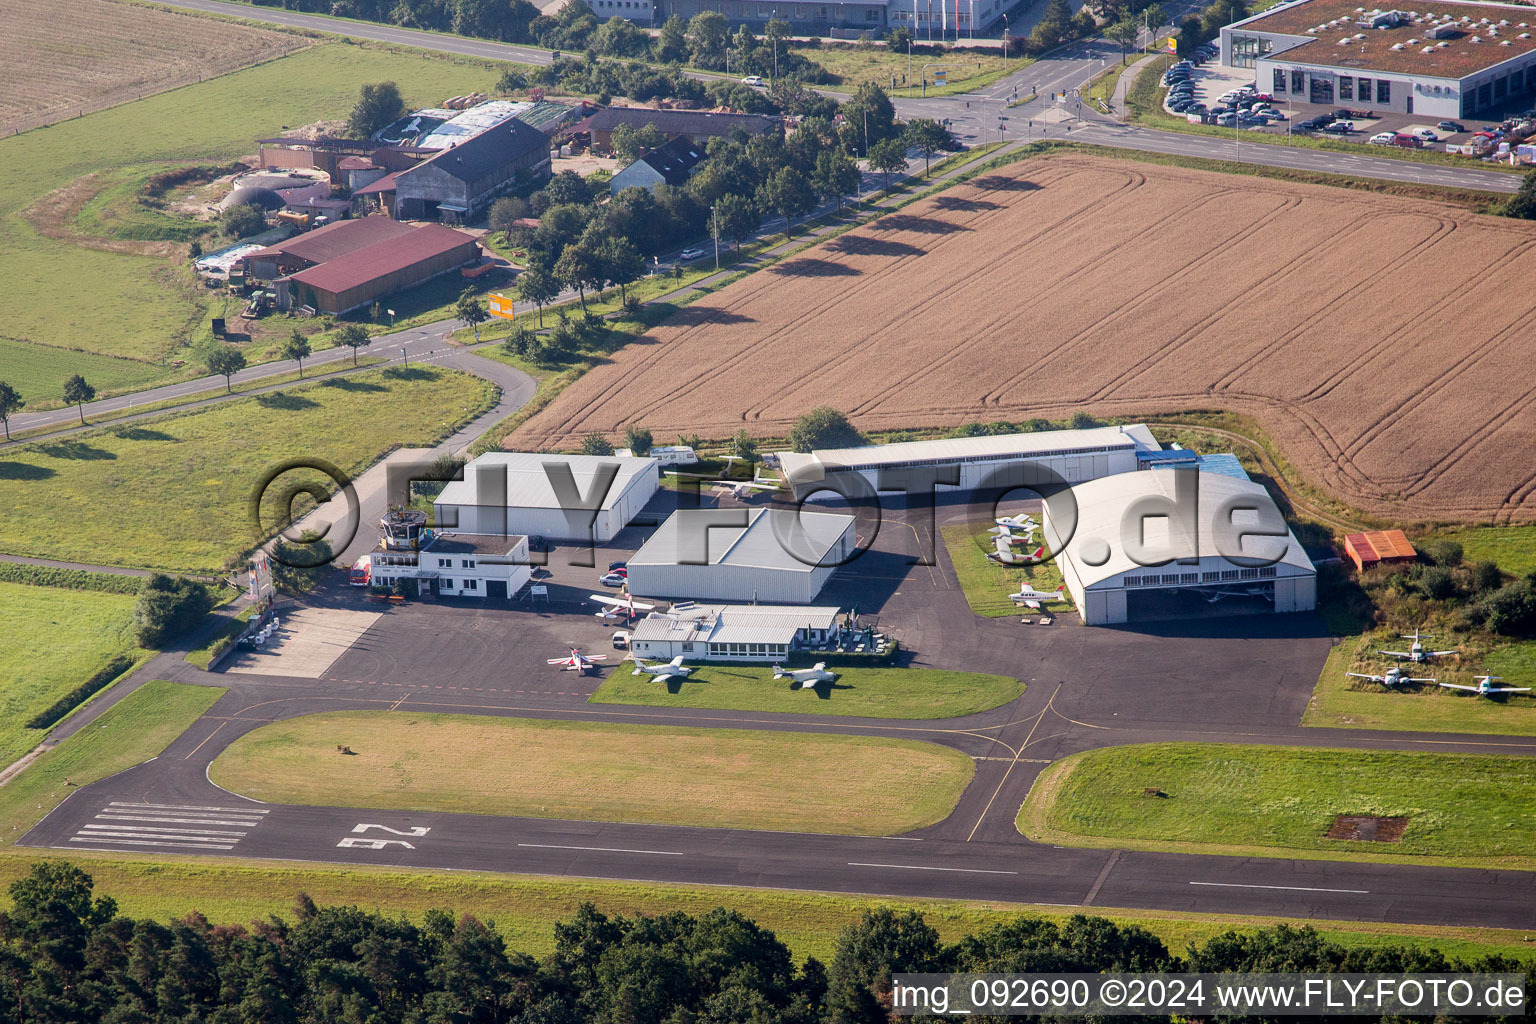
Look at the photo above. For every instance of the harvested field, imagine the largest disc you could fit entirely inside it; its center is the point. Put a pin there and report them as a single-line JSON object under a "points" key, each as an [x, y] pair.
{"points": [[1383, 342], [68, 57]]}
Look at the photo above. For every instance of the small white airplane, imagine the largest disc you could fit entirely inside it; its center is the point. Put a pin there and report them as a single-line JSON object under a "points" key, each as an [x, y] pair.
{"points": [[1416, 651], [578, 662], [1022, 521], [1031, 597], [1394, 676], [1008, 556], [1485, 687], [619, 607], [1003, 533], [805, 678], [661, 673], [741, 489]]}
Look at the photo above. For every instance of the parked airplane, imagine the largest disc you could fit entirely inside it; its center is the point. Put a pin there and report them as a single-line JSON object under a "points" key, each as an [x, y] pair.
{"points": [[663, 672], [1393, 677], [1008, 556], [1416, 651], [1003, 533], [1031, 597], [805, 678], [619, 607], [1022, 521], [578, 662], [1485, 687], [742, 489]]}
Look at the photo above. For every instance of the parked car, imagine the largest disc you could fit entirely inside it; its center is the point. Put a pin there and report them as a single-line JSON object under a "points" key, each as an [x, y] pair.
{"points": [[1382, 138], [752, 80], [690, 254], [1266, 97], [615, 566], [1348, 126], [1427, 135], [621, 640], [1337, 128], [613, 579], [1407, 141], [1451, 126], [1272, 115]]}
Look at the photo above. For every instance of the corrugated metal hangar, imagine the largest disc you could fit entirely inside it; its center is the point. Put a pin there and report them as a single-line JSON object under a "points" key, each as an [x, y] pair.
{"points": [[516, 492], [756, 632]]}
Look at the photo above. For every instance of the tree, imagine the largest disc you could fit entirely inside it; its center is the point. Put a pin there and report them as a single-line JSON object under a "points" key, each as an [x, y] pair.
{"points": [[737, 217], [578, 268], [296, 564], [896, 39], [194, 250], [672, 43], [836, 175], [823, 427], [167, 607], [504, 215], [77, 392], [708, 34], [1053, 28], [510, 81], [297, 349], [1125, 31], [226, 360], [596, 444], [621, 263], [538, 286], [887, 156], [788, 194], [870, 109], [10, 401], [1523, 203], [354, 337], [637, 439], [472, 311], [243, 220], [928, 137], [378, 104], [742, 446]]}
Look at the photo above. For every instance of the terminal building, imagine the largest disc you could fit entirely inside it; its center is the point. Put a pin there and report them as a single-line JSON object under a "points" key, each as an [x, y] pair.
{"points": [[761, 632], [779, 556], [1448, 60], [1111, 584], [506, 493], [1073, 455], [434, 564]]}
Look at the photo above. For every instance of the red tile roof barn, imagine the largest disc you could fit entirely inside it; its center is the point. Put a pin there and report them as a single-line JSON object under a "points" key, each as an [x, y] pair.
{"points": [[383, 258], [335, 240]]}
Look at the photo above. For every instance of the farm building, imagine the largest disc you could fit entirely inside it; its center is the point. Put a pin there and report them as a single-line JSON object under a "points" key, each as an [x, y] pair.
{"points": [[515, 492], [320, 246], [733, 632], [778, 556], [1378, 547], [326, 154], [698, 126], [457, 184], [394, 263], [1111, 581], [669, 164], [1452, 60], [1001, 459]]}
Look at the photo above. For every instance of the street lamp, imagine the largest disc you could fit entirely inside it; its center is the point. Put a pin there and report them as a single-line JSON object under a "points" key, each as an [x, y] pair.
{"points": [[1006, 47], [714, 222], [775, 15]]}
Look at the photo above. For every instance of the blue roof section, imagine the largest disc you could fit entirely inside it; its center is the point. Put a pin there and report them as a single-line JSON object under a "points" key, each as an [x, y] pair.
{"points": [[1224, 464]]}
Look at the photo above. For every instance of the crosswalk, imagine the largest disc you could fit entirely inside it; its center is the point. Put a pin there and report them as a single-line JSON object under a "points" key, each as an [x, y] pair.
{"points": [[184, 826]]}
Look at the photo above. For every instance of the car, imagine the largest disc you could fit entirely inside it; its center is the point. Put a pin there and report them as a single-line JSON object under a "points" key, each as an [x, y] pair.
{"points": [[1407, 141], [1266, 97], [690, 254], [621, 640], [1251, 119], [1226, 120], [615, 566], [1337, 128], [1187, 94], [1177, 80], [1348, 126], [613, 579], [1427, 135], [1451, 126], [752, 80], [1382, 138], [1271, 115]]}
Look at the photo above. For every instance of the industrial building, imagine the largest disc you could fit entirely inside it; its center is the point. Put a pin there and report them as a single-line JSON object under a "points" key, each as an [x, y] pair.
{"points": [[506, 493], [1177, 516], [777, 556], [1448, 60], [698, 126], [320, 246], [459, 183], [1001, 459], [434, 564], [363, 275], [733, 632], [669, 164]]}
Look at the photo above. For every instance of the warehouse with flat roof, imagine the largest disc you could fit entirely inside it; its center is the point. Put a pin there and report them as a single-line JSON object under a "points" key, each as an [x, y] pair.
{"points": [[572, 498], [733, 632], [1170, 543], [1447, 60], [776, 556]]}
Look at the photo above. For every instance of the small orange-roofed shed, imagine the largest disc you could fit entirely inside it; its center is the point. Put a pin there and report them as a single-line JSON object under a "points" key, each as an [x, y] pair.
{"points": [[1378, 547]]}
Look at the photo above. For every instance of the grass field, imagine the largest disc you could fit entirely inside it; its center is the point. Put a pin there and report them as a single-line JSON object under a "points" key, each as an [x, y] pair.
{"points": [[1342, 702], [154, 313], [135, 729], [855, 65], [987, 583], [174, 492], [39, 371], [863, 692], [1267, 801], [599, 772], [52, 641], [1512, 547]]}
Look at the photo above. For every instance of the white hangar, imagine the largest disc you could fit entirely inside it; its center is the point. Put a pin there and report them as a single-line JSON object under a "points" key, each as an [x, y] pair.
{"points": [[778, 557], [755, 632], [549, 496], [1128, 521]]}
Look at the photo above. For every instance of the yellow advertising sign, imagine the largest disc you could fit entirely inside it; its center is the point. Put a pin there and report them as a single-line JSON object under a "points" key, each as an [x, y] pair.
{"points": [[500, 305]]}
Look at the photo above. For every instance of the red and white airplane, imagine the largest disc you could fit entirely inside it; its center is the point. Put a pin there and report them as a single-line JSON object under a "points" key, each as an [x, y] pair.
{"points": [[578, 662], [625, 606], [1008, 556]]}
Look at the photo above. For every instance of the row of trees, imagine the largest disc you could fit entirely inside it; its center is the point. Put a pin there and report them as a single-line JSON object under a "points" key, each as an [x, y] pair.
{"points": [[67, 954], [76, 392]]}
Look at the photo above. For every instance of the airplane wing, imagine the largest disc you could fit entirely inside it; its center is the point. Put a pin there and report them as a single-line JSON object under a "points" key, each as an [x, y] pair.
{"points": [[593, 657], [1511, 689], [1364, 675], [1032, 604], [614, 602], [559, 661], [1411, 679], [1458, 686], [1396, 654], [1440, 654]]}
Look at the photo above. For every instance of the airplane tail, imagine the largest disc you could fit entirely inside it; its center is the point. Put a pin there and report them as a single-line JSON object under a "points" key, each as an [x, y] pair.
{"points": [[778, 672]]}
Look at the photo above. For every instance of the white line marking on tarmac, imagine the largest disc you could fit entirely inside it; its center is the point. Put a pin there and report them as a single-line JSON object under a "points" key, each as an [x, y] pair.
{"points": [[189, 807], [600, 849], [923, 867], [1286, 888], [178, 821], [158, 835], [145, 842], [152, 828]]}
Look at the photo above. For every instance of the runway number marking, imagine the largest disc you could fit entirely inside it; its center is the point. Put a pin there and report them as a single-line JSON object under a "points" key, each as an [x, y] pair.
{"points": [[354, 842]]}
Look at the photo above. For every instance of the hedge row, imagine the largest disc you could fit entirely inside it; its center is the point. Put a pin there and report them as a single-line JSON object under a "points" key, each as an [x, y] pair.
{"points": [[69, 579], [80, 694]]}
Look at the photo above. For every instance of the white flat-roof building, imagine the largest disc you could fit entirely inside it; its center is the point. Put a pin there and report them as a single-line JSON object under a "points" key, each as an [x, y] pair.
{"points": [[1109, 585], [778, 556], [455, 565], [758, 632], [549, 496], [1073, 455]]}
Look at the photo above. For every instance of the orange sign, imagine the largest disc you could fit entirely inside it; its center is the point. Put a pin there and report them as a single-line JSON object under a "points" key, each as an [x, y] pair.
{"points": [[500, 305]]}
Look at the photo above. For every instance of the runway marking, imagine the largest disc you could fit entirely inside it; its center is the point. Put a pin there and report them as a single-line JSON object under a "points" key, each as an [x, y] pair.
{"points": [[104, 816], [1286, 888], [130, 823], [186, 807], [148, 828], [396, 705], [924, 867], [1098, 883], [105, 841], [205, 741], [1009, 771], [600, 849]]}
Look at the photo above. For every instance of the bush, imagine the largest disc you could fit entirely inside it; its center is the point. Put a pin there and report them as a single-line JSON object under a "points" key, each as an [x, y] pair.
{"points": [[1438, 583], [1486, 576], [1082, 421], [168, 606], [823, 427], [1441, 552], [296, 565], [74, 698], [1511, 610], [596, 444], [242, 221], [69, 579]]}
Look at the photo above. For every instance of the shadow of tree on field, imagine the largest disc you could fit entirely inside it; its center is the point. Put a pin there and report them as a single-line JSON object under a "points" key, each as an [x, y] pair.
{"points": [[1001, 183], [863, 245], [278, 400], [75, 450], [807, 267], [24, 471], [142, 434], [920, 225], [965, 204], [693, 316], [347, 384]]}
